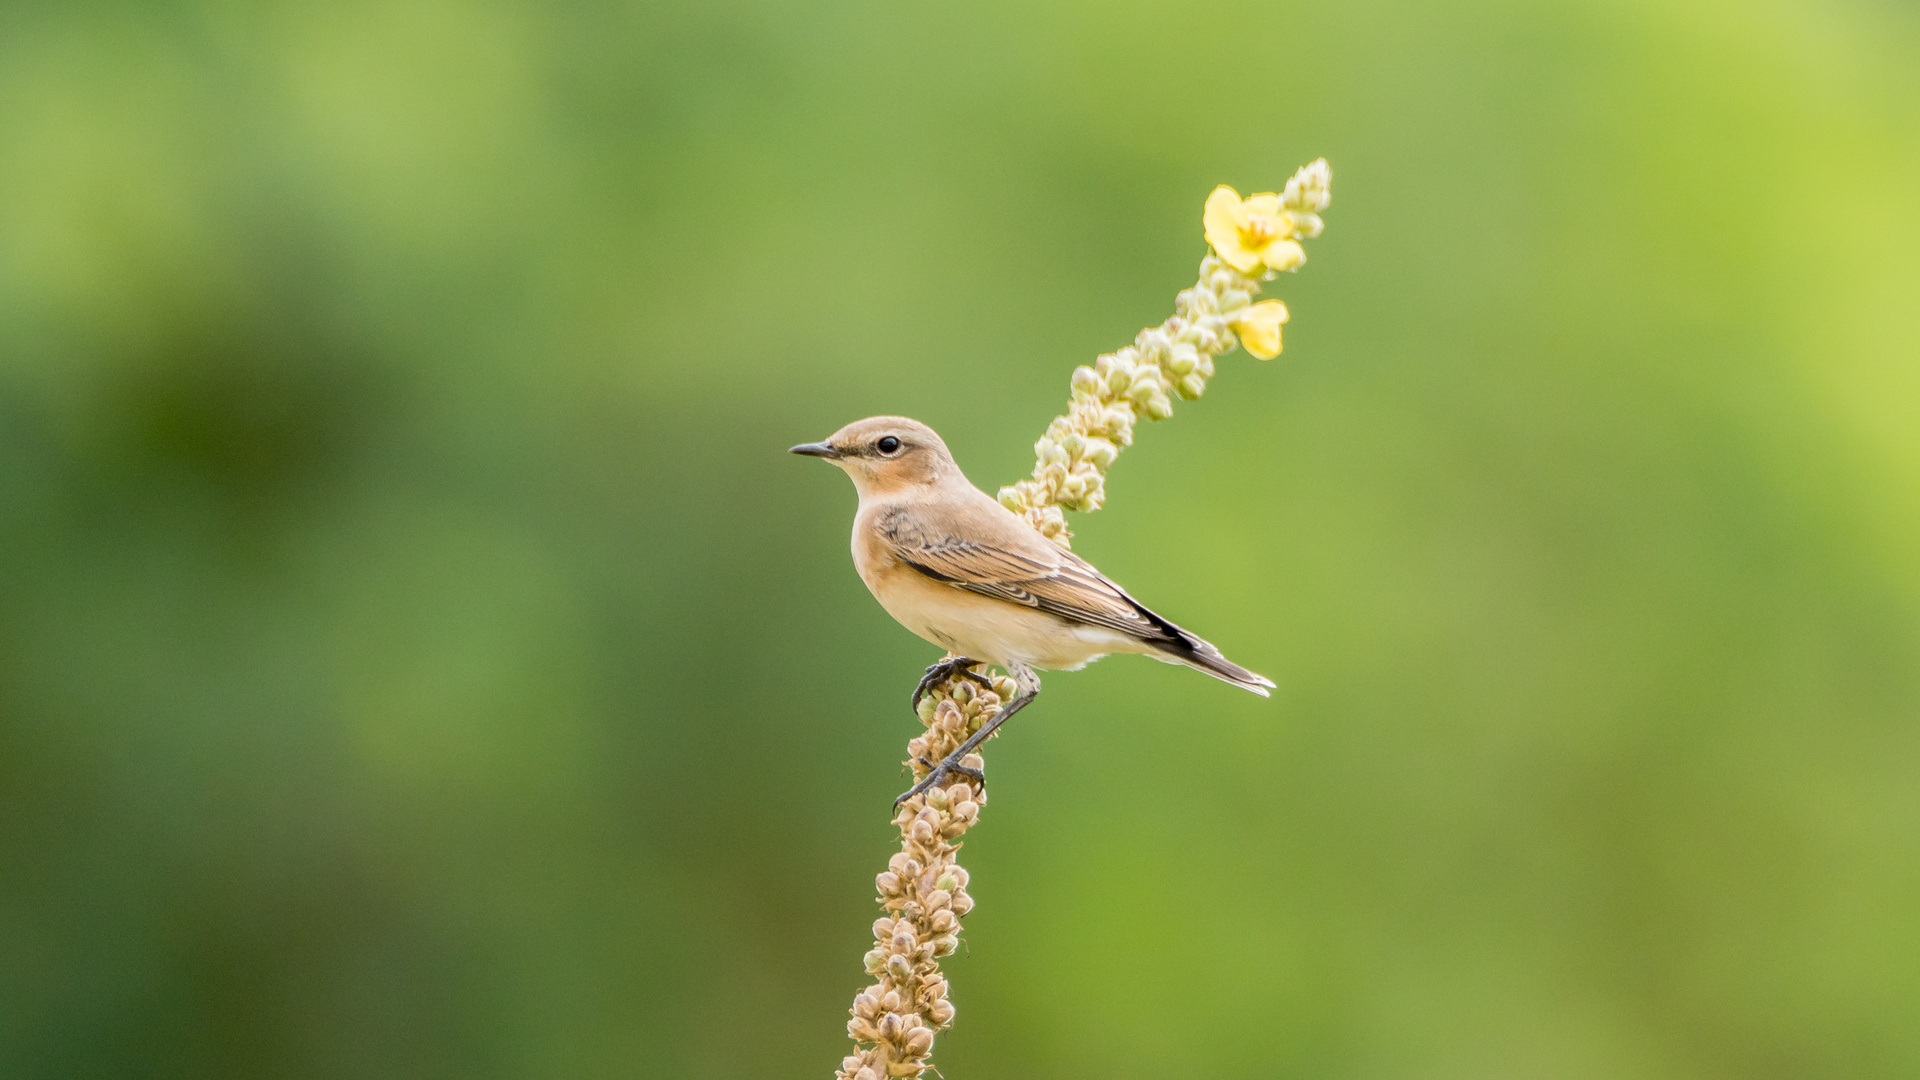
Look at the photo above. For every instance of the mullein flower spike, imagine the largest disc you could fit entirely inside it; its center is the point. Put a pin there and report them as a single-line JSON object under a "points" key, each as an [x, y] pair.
{"points": [[923, 889], [924, 893], [1252, 239]]}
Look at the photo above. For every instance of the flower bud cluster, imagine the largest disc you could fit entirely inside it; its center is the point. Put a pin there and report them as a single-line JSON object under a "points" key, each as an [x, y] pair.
{"points": [[1308, 193], [1174, 359], [924, 893]]}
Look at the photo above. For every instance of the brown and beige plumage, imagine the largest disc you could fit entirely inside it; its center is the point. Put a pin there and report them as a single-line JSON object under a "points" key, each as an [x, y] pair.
{"points": [[952, 565]]}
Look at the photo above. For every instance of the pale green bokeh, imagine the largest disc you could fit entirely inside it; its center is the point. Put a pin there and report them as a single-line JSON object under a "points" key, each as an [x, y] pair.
{"points": [[418, 656]]}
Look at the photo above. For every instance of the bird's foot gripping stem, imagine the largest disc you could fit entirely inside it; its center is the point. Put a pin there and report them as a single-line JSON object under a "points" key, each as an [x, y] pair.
{"points": [[952, 667], [951, 765]]}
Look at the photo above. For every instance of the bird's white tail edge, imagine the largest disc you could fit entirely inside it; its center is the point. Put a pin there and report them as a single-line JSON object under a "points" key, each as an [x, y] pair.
{"points": [[1209, 661]]}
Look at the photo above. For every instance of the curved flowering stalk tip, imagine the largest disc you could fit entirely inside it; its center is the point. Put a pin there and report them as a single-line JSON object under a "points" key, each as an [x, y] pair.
{"points": [[1252, 239], [923, 891]]}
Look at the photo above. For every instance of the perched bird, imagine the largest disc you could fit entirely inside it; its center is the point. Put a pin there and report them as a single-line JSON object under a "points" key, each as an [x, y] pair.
{"points": [[951, 564]]}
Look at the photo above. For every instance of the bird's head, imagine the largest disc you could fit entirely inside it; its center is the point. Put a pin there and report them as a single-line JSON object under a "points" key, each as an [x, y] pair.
{"points": [[885, 454]]}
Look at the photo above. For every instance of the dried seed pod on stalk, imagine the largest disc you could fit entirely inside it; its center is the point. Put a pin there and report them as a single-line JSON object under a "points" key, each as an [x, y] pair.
{"points": [[924, 893]]}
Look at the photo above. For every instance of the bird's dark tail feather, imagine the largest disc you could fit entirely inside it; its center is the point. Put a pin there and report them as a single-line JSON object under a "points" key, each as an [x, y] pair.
{"points": [[1201, 656], [1176, 646]]}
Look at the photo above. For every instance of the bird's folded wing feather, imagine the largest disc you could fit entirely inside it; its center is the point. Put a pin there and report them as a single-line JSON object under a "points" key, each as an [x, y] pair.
{"points": [[1007, 560]]}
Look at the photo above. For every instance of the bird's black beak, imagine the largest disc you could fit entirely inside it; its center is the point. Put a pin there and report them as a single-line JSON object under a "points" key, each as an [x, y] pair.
{"points": [[815, 449]]}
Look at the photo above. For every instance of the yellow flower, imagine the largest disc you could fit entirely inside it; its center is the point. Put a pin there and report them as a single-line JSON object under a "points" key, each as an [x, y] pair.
{"points": [[1248, 233], [1259, 328]]}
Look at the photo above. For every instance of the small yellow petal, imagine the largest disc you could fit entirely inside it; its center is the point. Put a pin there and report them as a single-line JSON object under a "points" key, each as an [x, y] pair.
{"points": [[1283, 255], [1222, 221], [1238, 256], [1266, 204], [1222, 215], [1259, 328]]}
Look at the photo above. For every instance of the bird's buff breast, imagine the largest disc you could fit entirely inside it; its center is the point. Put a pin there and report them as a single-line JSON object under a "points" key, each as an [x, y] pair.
{"points": [[968, 624]]}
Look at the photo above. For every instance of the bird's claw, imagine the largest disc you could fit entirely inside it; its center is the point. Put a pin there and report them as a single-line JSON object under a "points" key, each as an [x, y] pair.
{"points": [[936, 773], [953, 667]]}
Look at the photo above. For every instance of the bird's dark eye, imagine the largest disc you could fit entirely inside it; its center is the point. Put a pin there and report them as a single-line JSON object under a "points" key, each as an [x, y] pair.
{"points": [[887, 445]]}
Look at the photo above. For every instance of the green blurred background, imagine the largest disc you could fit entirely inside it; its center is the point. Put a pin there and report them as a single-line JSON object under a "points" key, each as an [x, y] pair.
{"points": [[419, 657]]}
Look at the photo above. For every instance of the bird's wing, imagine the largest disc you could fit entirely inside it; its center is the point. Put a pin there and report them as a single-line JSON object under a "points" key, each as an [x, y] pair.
{"points": [[998, 555]]}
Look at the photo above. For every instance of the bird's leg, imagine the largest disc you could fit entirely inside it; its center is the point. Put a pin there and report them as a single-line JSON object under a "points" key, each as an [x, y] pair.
{"points": [[1029, 685], [943, 770], [950, 765], [951, 667]]}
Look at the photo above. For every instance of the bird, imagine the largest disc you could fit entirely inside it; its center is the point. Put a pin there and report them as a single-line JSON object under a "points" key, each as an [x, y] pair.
{"points": [[955, 567]]}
